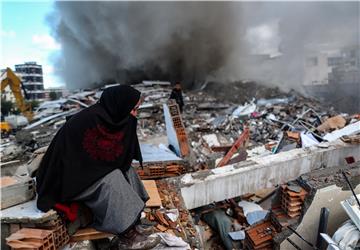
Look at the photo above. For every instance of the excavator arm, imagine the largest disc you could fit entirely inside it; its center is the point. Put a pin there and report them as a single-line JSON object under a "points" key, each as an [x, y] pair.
{"points": [[15, 85]]}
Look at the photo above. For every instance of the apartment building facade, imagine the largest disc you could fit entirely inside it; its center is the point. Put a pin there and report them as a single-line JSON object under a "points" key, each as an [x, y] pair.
{"points": [[31, 75]]}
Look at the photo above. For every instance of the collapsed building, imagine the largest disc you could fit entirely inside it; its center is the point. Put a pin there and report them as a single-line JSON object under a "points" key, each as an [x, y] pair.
{"points": [[251, 173]]}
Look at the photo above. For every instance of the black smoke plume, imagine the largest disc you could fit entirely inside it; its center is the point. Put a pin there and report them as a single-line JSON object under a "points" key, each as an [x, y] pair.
{"points": [[195, 42]]}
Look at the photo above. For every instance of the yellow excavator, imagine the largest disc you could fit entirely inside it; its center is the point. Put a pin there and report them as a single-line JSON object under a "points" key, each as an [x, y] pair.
{"points": [[9, 78]]}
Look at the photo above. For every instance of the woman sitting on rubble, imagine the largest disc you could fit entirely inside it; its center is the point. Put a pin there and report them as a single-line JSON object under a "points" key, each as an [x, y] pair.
{"points": [[89, 162]]}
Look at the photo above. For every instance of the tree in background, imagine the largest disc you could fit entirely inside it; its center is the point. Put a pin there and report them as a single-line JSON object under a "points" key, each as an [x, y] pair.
{"points": [[53, 96], [10, 107], [34, 104], [6, 107]]}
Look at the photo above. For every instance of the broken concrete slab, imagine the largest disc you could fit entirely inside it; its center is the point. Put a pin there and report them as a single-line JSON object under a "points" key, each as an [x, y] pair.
{"points": [[152, 83], [350, 129], [26, 213], [204, 187], [352, 209], [16, 190], [49, 118], [211, 140]]}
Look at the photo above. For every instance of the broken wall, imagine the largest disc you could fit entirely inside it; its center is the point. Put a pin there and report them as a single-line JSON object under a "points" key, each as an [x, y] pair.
{"points": [[204, 187]]}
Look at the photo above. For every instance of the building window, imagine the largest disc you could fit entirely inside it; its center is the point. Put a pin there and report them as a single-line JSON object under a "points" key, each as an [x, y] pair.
{"points": [[312, 61], [353, 53], [30, 87], [39, 87], [334, 61], [40, 96]]}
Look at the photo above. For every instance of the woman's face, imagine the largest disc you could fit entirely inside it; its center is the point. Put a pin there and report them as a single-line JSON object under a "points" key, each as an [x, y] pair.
{"points": [[133, 112]]}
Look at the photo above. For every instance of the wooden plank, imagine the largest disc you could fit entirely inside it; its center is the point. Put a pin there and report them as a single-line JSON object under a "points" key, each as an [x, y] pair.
{"points": [[151, 188], [161, 228], [7, 181], [220, 148], [262, 193], [89, 234], [240, 142]]}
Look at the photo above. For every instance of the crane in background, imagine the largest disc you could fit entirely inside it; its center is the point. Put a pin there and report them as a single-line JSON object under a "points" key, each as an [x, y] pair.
{"points": [[8, 78]]}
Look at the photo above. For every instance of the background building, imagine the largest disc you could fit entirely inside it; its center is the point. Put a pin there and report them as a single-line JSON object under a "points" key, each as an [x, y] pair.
{"points": [[318, 64], [55, 93], [335, 76], [32, 78]]}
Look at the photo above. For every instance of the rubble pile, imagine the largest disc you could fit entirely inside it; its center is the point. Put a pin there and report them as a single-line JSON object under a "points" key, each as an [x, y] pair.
{"points": [[255, 220], [278, 124], [51, 115], [264, 219], [283, 122], [241, 92], [322, 177], [172, 217], [214, 130], [151, 118], [48, 118]]}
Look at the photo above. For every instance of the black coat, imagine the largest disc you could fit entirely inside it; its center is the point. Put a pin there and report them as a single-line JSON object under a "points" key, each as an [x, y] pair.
{"points": [[90, 145], [177, 95]]}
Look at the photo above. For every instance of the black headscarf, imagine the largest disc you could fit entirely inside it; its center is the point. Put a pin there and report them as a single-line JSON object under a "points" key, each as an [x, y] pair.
{"points": [[94, 142]]}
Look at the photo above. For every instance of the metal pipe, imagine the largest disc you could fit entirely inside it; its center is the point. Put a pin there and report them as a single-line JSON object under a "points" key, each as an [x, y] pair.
{"points": [[293, 243], [278, 145], [324, 217], [307, 242], [352, 190]]}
